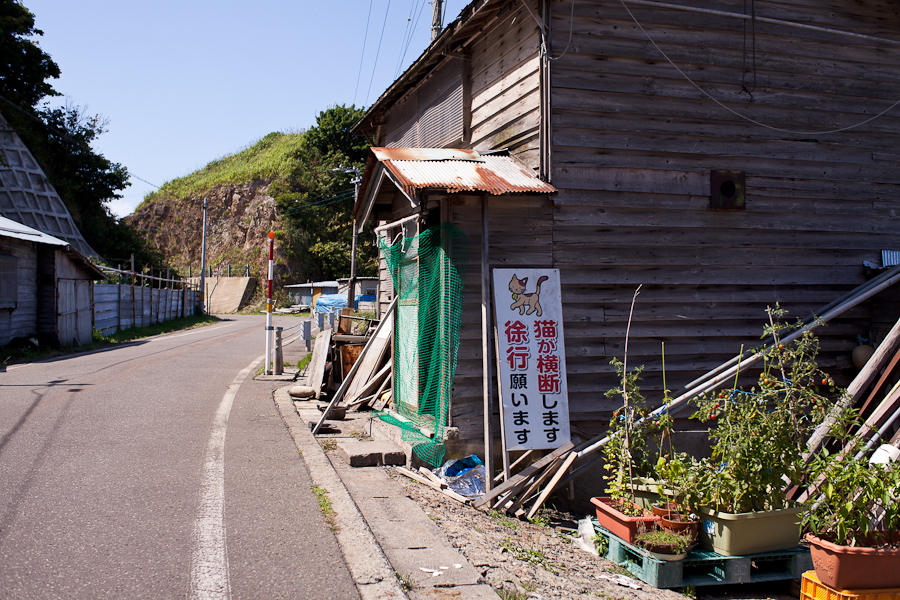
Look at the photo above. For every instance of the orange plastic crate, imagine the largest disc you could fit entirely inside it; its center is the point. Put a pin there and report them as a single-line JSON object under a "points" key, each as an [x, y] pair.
{"points": [[813, 589]]}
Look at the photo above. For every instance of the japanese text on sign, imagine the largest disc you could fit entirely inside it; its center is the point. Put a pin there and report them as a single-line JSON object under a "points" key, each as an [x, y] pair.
{"points": [[531, 357]]}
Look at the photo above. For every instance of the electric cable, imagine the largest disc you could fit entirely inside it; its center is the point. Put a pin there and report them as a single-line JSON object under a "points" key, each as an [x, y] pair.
{"points": [[734, 112], [408, 39], [571, 29], [363, 54], [378, 51]]}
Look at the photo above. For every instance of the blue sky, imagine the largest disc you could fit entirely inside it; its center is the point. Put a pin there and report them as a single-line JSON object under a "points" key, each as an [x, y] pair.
{"points": [[185, 82]]}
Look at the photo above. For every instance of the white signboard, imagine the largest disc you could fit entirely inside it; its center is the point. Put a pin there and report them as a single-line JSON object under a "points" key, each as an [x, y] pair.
{"points": [[531, 358]]}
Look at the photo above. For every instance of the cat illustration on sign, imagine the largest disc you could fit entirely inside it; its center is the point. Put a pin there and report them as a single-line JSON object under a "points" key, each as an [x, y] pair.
{"points": [[526, 302]]}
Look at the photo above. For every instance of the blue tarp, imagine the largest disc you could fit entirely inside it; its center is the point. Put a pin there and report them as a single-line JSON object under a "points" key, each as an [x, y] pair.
{"points": [[328, 303]]}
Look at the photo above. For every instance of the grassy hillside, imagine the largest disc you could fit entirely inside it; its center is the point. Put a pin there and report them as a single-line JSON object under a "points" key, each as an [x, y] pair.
{"points": [[273, 157], [298, 183]]}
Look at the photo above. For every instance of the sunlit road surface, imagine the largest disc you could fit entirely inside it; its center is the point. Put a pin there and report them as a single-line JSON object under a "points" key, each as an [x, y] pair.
{"points": [[158, 469]]}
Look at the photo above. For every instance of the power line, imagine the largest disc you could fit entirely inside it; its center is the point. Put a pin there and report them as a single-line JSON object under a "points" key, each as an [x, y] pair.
{"points": [[377, 52], [363, 54], [144, 180], [408, 40]]}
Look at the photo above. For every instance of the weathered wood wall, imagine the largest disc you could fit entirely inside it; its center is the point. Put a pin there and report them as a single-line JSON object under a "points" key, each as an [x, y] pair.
{"points": [[633, 143], [520, 234], [21, 320], [502, 90], [505, 84], [74, 303]]}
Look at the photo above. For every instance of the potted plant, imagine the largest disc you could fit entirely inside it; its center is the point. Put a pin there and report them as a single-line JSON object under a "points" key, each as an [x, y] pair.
{"points": [[626, 459], [758, 444], [854, 520], [677, 478], [664, 545]]}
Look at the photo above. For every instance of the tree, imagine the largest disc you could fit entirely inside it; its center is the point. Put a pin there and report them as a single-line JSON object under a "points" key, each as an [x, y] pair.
{"points": [[317, 199], [25, 68], [60, 139]]}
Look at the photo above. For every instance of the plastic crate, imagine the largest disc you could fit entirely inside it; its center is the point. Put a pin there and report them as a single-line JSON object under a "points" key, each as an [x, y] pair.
{"points": [[813, 589], [703, 567]]}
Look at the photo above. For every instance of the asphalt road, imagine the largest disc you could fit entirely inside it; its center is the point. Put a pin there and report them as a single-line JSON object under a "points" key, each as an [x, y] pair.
{"points": [[160, 469]]}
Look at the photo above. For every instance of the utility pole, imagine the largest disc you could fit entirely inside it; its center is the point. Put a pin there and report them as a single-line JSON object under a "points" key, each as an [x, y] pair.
{"points": [[203, 263], [351, 293], [437, 18]]}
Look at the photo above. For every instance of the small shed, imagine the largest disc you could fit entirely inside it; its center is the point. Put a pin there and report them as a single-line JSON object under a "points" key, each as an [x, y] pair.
{"points": [[306, 293], [46, 287]]}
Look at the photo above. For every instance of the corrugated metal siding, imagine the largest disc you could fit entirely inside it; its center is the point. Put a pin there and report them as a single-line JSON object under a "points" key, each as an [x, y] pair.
{"points": [[432, 114]]}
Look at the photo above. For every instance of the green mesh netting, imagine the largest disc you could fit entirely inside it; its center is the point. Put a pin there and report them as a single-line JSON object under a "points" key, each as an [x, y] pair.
{"points": [[428, 272]]}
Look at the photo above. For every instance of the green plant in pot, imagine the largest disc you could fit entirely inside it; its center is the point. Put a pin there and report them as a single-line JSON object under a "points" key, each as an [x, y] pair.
{"points": [[758, 442], [678, 477], [854, 518], [664, 545], [627, 458], [675, 475]]}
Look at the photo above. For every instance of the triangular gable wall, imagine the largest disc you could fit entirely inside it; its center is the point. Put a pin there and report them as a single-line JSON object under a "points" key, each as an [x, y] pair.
{"points": [[27, 197]]}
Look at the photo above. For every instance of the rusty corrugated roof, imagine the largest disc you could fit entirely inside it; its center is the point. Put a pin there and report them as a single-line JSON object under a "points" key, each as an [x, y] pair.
{"points": [[459, 171]]}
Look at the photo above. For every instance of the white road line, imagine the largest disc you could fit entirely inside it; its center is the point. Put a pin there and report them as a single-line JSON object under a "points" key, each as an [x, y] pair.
{"points": [[195, 331], [209, 556]]}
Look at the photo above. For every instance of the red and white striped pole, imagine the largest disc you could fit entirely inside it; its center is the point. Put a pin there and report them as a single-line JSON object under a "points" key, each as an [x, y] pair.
{"points": [[269, 329]]}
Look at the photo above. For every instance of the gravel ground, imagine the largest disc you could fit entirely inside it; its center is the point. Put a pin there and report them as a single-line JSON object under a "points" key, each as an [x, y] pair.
{"points": [[523, 560]]}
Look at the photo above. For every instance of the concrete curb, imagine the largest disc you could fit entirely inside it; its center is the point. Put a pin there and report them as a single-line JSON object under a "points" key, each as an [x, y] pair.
{"points": [[369, 568]]}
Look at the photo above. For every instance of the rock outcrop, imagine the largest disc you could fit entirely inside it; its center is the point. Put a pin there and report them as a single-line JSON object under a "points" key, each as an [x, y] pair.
{"points": [[239, 219]]}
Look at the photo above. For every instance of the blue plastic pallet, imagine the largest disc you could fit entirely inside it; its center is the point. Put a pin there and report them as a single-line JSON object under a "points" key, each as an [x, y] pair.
{"points": [[702, 567]]}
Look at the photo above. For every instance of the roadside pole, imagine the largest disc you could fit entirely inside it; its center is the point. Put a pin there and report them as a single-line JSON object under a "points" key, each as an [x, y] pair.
{"points": [[269, 328], [203, 306]]}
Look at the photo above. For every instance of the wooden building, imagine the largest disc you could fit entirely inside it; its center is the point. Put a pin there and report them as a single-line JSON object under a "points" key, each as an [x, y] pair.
{"points": [[726, 155], [46, 287]]}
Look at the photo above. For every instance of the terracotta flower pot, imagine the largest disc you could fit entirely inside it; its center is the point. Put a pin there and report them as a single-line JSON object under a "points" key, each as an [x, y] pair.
{"points": [[855, 568], [664, 509], [619, 524], [679, 524]]}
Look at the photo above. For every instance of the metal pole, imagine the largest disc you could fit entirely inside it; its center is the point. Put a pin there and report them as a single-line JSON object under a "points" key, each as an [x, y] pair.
{"points": [[203, 263], [307, 334], [269, 303]]}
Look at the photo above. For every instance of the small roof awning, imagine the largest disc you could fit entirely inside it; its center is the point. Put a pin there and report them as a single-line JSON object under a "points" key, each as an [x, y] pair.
{"points": [[14, 229], [449, 170]]}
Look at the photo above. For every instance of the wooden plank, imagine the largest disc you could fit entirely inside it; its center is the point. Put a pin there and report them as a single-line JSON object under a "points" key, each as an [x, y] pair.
{"points": [[346, 383], [552, 485], [434, 478], [374, 382], [888, 370], [525, 473], [425, 481], [317, 362], [539, 481], [888, 348], [378, 346]]}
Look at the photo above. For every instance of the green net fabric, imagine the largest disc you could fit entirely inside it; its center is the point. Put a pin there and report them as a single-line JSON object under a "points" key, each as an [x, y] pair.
{"points": [[428, 272]]}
